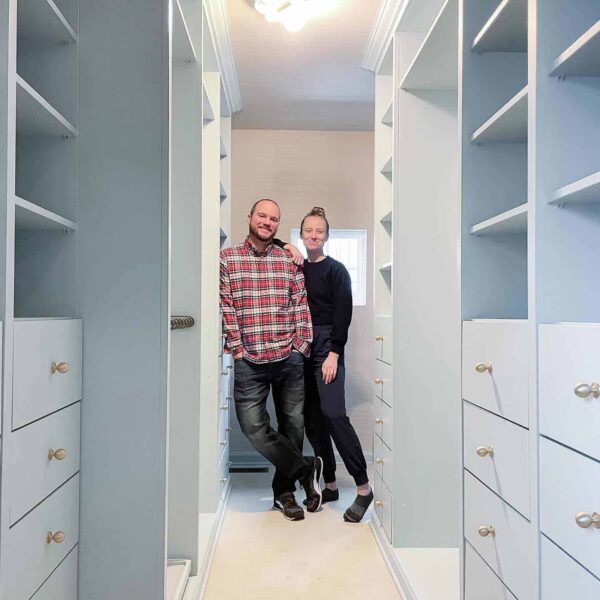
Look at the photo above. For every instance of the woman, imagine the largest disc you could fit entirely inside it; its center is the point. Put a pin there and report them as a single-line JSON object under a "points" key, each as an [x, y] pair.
{"points": [[329, 293]]}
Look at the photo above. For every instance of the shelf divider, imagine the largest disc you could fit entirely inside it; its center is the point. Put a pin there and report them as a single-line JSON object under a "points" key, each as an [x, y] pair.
{"points": [[582, 58], [508, 125], [505, 30], [511, 221], [208, 114], [387, 168], [42, 20], [31, 216], [388, 117], [223, 193], [386, 267], [183, 47], [584, 191]]}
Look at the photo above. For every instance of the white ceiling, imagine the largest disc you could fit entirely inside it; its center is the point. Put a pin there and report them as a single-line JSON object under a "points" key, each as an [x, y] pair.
{"points": [[311, 79]]}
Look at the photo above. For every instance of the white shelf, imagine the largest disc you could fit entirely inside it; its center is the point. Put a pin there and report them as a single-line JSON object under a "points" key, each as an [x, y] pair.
{"points": [[42, 20], [183, 47], [511, 221], [509, 124], [387, 218], [505, 30], [386, 267], [586, 190], [435, 66], [582, 57], [32, 216], [387, 168], [36, 116], [208, 113], [223, 193], [388, 117], [223, 151]]}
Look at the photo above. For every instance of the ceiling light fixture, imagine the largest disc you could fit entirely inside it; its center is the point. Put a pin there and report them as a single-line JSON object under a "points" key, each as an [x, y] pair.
{"points": [[293, 14]]}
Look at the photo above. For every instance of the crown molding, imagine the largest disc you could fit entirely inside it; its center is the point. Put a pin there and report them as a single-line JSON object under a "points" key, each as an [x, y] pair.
{"points": [[218, 24]]}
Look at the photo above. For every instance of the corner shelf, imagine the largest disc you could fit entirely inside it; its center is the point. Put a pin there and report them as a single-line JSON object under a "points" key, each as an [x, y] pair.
{"points": [[512, 221], [223, 192], [31, 216], [208, 114], [582, 58], [223, 150], [42, 20], [386, 267], [586, 190], [36, 116], [505, 30], [183, 47], [509, 124], [388, 117], [387, 168], [435, 66]]}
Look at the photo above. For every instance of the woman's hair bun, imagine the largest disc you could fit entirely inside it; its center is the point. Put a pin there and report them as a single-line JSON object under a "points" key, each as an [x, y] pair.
{"points": [[317, 211]]}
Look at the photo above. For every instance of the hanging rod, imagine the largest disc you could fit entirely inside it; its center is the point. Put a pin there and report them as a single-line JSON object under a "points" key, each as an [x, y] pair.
{"points": [[181, 322]]}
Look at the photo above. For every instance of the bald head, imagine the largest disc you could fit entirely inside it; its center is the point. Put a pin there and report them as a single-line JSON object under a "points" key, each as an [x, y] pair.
{"points": [[260, 202]]}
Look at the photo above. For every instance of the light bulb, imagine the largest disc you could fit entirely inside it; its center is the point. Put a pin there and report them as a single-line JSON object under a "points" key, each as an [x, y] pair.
{"points": [[294, 17], [261, 7]]}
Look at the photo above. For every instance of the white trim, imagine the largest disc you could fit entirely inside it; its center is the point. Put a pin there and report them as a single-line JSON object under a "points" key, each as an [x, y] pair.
{"points": [[219, 27]]}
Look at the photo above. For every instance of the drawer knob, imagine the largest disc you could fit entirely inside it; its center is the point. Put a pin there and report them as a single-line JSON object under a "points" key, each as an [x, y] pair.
{"points": [[59, 454], [379, 461], [583, 390], [224, 407], [61, 367], [378, 503], [224, 443], [379, 421], [585, 520], [224, 372], [57, 538], [228, 398], [228, 430], [483, 367], [223, 479], [379, 338], [484, 451], [378, 380], [229, 367], [486, 530]]}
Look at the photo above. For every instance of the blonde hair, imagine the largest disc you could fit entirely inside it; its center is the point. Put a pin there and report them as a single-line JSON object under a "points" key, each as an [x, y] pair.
{"points": [[317, 211]]}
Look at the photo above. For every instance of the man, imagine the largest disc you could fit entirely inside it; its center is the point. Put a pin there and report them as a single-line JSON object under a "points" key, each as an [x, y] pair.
{"points": [[268, 330]]}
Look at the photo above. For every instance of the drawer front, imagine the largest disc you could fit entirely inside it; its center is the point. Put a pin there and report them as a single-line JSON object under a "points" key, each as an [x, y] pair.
{"points": [[30, 559], [37, 345], [563, 578], [62, 584], [481, 583], [223, 473], [383, 339], [511, 551], [384, 422], [383, 459], [33, 472], [383, 506], [570, 484], [504, 346], [569, 357], [383, 382], [506, 468]]}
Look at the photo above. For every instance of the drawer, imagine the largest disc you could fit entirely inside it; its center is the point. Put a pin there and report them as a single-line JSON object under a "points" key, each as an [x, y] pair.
{"points": [[511, 551], [383, 382], [62, 584], [29, 558], [504, 346], [481, 583], [506, 469], [563, 578], [383, 461], [382, 338], [383, 506], [37, 345], [223, 473], [569, 357], [384, 422], [570, 484], [33, 473]]}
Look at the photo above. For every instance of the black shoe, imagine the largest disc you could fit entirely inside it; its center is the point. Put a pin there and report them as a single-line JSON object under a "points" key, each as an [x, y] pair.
{"points": [[327, 495], [312, 488], [356, 511], [287, 504]]}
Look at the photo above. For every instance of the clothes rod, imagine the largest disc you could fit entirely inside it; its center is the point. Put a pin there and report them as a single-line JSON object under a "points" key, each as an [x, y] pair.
{"points": [[181, 322]]}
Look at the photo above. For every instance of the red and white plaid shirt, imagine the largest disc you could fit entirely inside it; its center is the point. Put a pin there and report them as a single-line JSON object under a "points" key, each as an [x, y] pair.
{"points": [[263, 300]]}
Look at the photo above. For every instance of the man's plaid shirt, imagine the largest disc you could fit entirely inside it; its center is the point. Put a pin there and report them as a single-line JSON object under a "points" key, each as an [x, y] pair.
{"points": [[263, 300]]}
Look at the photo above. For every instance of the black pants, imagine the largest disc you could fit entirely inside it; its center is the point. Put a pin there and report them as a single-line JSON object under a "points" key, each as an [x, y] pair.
{"points": [[325, 413], [282, 448]]}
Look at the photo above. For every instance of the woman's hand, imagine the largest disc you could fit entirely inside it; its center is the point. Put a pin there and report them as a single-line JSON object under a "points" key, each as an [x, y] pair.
{"points": [[329, 367], [297, 257]]}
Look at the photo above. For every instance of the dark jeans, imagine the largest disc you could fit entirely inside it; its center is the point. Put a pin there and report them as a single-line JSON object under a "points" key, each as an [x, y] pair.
{"points": [[283, 448], [325, 413]]}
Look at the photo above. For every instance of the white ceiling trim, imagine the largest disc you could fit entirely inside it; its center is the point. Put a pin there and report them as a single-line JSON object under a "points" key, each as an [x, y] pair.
{"points": [[219, 28]]}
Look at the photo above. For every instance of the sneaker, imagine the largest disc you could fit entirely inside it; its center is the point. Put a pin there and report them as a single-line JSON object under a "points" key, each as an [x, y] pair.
{"points": [[327, 496], [312, 488], [287, 504]]}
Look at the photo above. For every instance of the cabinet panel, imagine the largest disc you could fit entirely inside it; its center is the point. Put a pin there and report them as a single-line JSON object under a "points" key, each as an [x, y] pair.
{"points": [[383, 382], [481, 583], [494, 369], [383, 458], [384, 422], [568, 356], [62, 584], [383, 506], [496, 451], [383, 339], [38, 345]]}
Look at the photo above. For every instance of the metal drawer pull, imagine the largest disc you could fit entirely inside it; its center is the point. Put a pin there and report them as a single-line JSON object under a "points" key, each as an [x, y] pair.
{"points": [[57, 538], [378, 380], [228, 398], [230, 367], [59, 454], [379, 421], [483, 367], [223, 479], [224, 372], [224, 407], [61, 367], [483, 451], [379, 338], [379, 461], [585, 520], [378, 503], [486, 530], [583, 390], [224, 443], [228, 429]]}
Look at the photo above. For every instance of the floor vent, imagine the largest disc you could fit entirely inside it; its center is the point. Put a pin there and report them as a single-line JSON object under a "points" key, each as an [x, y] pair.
{"points": [[248, 469]]}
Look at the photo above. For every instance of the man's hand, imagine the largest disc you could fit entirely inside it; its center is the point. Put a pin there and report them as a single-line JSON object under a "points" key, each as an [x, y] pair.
{"points": [[329, 367], [297, 257]]}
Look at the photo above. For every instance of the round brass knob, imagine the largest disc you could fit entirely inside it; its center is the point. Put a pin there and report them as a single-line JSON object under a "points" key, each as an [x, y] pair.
{"points": [[224, 372], [228, 398], [379, 461], [484, 451], [61, 367], [378, 503], [223, 479], [228, 429], [59, 454], [224, 407], [57, 538], [230, 367], [483, 367], [486, 530], [379, 421], [378, 380], [379, 338], [585, 520], [224, 443], [583, 390]]}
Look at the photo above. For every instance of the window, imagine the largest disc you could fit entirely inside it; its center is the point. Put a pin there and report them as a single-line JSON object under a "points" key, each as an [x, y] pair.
{"points": [[349, 246]]}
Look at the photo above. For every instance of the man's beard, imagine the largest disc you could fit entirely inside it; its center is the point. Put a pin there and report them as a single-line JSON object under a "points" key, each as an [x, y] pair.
{"points": [[261, 234]]}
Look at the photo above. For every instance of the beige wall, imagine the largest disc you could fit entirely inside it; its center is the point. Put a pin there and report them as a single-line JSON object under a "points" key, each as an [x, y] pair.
{"points": [[301, 169]]}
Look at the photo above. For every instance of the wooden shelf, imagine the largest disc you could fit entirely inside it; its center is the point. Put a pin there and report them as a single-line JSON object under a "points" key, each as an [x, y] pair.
{"points": [[511, 221], [582, 57], [223, 151], [509, 124], [42, 20], [36, 116], [505, 30], [586, 190], [388, 117], [32, 216], [435, 66], [387, 168], [386, 267], [183, 47], [387, 218], [208, 114], [223, 193]]}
